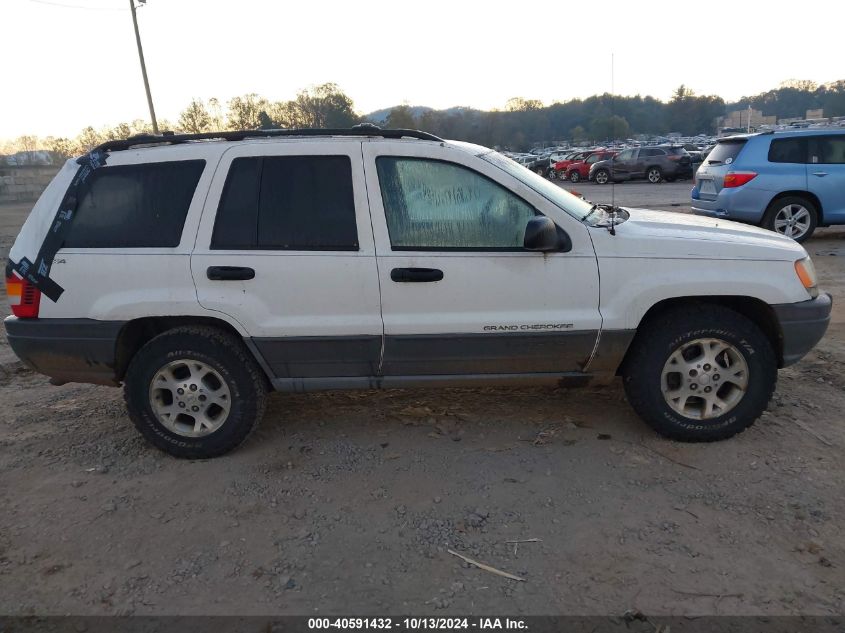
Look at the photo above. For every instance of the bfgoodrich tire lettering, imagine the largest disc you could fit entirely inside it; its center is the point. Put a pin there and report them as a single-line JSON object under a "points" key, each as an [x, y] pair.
{"points": [[660, 338], [247, 389]]}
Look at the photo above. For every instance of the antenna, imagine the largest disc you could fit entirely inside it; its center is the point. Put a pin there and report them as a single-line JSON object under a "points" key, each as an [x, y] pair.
{"points": [[613, 121]]}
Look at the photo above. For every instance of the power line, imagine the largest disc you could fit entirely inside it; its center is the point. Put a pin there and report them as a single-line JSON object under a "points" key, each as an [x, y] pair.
{"points": [[75, 6]]}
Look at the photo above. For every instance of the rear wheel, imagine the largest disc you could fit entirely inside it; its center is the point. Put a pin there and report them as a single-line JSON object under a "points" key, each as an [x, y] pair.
{"points": [[538, 171], [552, 174], [194, 392], [574, 176], [654, 175], [792, 216], [601, 177], [700, 373]]}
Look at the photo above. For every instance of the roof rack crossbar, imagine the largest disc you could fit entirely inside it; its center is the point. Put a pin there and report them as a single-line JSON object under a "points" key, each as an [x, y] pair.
{"points": [[239, 135]]}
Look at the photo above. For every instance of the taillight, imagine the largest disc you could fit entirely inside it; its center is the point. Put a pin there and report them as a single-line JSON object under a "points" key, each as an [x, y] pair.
{"points": [[738, 178], [24, 298]]}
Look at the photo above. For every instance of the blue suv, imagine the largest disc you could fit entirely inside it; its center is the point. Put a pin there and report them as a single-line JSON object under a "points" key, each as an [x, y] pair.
{"points": [[789, 182]]}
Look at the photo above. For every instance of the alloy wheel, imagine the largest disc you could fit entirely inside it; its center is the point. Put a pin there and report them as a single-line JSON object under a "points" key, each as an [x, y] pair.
{"points": [[793, 221], [704, 378], [190, 398]]}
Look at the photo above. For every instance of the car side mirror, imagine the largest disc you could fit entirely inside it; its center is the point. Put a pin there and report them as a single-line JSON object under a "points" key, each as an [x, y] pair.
{"points": [[542, 234]]}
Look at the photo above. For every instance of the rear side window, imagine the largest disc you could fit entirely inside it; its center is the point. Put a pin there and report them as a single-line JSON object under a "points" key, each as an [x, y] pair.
{"points": [[652, 151], [788, 150], [725, 152], [287, 203], [135, 206]]}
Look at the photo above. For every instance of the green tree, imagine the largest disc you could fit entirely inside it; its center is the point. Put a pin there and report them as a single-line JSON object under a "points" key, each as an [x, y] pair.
{"points": [[518, 104], [244, 112], [401, 117], [195, 118], [88, 139], [324, 106], [216, 114], [62, 148], [612, 127], [578, 134]]}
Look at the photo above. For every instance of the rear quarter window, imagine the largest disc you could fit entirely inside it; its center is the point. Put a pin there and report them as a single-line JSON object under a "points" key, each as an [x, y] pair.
{"points": [[135, 206], [724, 151], [788, 150]]}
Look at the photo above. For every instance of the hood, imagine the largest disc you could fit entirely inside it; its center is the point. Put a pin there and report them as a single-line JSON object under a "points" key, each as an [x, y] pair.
{"points": [[667, 234], [607, 162]]}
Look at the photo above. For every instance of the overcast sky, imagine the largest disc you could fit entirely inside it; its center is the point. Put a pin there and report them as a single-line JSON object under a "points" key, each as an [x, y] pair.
{"points": [[65, 67]]}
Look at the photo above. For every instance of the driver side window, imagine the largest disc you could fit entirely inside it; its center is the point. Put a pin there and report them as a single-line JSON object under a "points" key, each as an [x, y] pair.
{"points": [[436, 205]]}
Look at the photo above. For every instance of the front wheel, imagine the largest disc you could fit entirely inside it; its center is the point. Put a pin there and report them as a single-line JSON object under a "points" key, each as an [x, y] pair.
{"points": [[574, 177], [552, 174], [194, 392], [601, 177], [700, 373]]}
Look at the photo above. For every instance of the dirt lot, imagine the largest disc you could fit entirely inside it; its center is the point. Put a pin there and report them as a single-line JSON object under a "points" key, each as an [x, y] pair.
{"points": [[348, 502]]}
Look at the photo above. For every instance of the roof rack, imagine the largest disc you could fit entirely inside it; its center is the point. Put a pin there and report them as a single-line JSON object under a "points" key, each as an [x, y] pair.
{"points": [[169, 138]]}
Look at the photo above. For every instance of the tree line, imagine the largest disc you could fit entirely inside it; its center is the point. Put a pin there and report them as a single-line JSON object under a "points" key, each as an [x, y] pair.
{"points": [[519, 125]]}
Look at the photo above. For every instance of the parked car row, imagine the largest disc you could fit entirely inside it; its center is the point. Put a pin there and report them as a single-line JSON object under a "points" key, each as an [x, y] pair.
{"points": [[604, 165]]}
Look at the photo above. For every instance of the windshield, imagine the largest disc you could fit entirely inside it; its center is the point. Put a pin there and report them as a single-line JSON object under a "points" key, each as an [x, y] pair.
{"points": [[574, 206]]}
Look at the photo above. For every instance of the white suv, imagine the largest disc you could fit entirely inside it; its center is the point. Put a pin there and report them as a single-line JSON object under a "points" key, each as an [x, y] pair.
{"points": [[203, 270]]}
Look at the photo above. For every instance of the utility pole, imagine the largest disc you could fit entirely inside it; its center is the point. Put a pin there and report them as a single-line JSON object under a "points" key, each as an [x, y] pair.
{"points": [[143, 65]]}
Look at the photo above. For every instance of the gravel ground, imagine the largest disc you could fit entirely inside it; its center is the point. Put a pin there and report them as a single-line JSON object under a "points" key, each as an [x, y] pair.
{"points": [[349, 502]]}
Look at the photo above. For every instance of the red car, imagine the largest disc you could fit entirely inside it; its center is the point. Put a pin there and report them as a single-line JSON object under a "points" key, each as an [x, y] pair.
{"points": [[580, 169], [560, 167]]}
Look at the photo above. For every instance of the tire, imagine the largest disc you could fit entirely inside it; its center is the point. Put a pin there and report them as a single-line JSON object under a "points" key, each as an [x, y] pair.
{"points": [[781, 214], [539, 171], [574, 177], [649, 369], [601, 177], [222, 370], [654, 175], [552, 174]]}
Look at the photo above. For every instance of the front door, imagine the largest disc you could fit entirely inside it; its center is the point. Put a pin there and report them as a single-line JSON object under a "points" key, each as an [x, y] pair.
{"points": [[624, 164], [285, 250], [460, 296]]}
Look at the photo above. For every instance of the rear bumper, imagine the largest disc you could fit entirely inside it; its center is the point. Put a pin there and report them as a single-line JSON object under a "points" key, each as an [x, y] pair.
{"points": [[743, 204], [803, 325], [67, 350]]}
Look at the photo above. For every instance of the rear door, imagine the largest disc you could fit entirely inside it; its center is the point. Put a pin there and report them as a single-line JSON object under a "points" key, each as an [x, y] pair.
{"points": [[826, 175], [460, 296], [285, 249]]}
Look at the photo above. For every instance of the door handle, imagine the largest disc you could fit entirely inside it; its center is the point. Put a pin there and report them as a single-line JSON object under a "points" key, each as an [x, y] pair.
{"points": [[230, 273], [820, 174], [412, 275]]}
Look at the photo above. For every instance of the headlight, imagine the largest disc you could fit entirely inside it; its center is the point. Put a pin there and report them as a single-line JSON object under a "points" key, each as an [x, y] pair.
{"points": [[807, 274]]}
